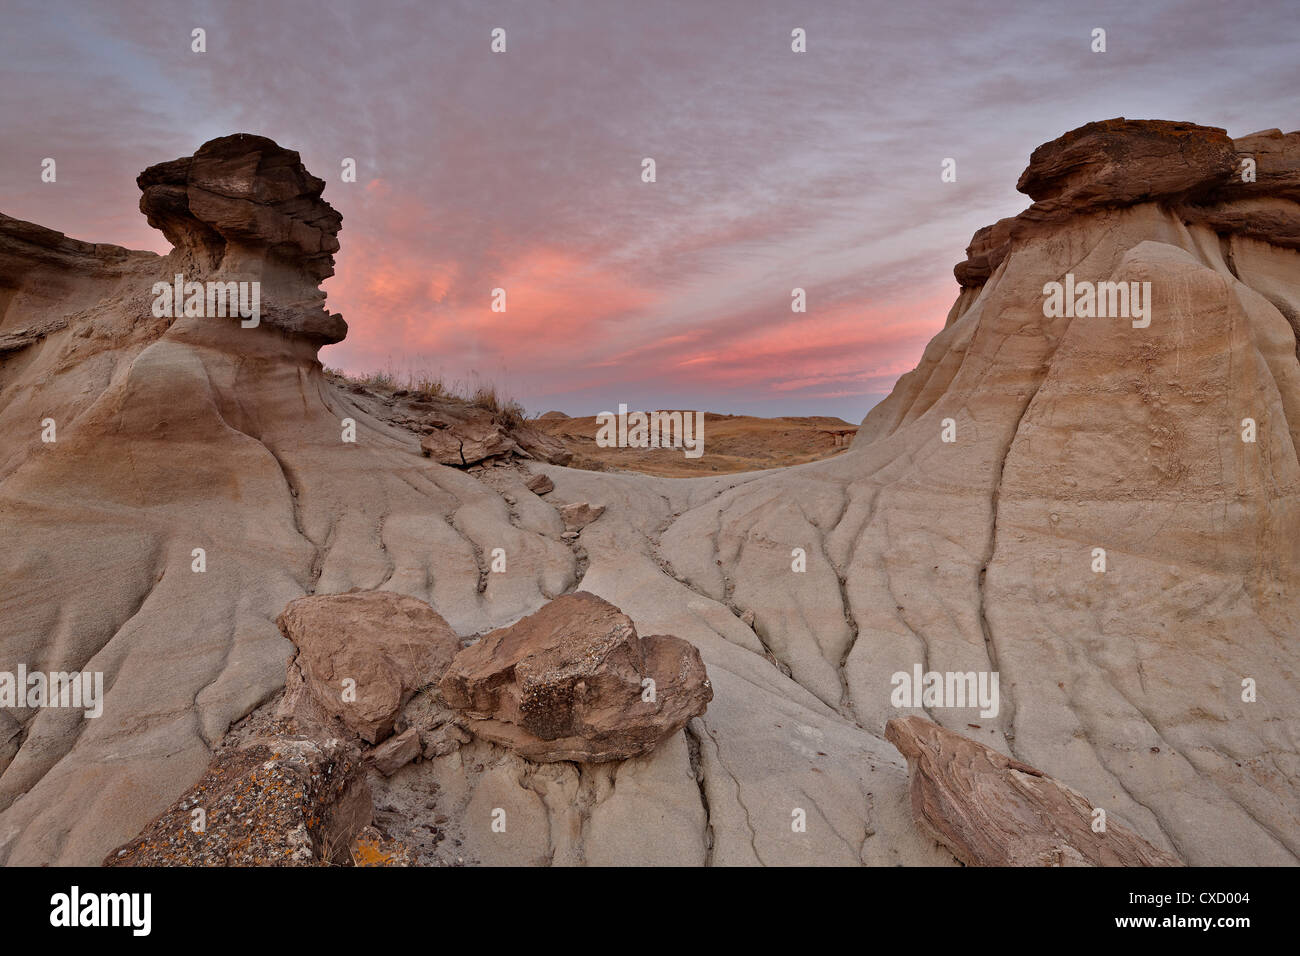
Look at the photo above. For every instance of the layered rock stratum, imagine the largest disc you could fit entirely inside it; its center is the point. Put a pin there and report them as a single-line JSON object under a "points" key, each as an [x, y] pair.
{"points": [[975, 555]]}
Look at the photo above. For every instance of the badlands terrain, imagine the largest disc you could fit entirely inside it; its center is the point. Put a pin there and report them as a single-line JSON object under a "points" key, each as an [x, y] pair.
{"points": [[734, 443], [183, 513]]}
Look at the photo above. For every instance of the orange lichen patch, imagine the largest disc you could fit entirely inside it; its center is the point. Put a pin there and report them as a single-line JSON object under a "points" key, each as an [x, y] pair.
{"points": [[296, 806], [371, 849]]}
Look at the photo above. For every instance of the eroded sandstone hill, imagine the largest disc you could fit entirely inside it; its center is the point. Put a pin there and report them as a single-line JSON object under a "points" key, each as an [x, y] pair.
{"points": [[972, 555]]}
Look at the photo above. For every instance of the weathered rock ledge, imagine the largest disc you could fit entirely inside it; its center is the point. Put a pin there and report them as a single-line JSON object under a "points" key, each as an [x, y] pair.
{"points": [[991, 810], [1195, 171]]}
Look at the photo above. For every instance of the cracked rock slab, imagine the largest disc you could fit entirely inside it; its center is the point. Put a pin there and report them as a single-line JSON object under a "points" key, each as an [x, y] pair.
{"points": [[467, 441]]}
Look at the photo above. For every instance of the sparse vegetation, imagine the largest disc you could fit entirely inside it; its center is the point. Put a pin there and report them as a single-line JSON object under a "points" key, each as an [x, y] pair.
{"points": [[424, 385], [506, 409]]}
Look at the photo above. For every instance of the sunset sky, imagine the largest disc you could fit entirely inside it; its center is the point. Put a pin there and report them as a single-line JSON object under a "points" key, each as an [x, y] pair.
{"points": [[522, 170]]}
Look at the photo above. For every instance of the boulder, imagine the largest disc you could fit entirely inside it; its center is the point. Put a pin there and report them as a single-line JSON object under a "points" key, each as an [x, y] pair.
{"points": [[990, 810], [388, 644], [574, 682]]}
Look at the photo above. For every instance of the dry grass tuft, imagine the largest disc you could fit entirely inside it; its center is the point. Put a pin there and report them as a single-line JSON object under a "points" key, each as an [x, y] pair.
{"points": [[424, 385]]}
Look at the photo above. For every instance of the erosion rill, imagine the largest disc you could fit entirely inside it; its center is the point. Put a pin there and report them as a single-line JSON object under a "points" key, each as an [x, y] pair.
{"points": [[1101, 510]]}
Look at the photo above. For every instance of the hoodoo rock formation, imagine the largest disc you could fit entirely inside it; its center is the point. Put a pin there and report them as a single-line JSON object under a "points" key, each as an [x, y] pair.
{"points": [[1070, 501], [243, 208]]}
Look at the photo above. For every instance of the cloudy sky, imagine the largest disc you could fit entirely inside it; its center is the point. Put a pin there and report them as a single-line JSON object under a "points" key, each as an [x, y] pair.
{"points": [[522, 170]]}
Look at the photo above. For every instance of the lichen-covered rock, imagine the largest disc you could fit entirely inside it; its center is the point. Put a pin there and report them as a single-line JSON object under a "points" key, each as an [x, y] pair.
{"points": [[575, 682], [372, 848], [281, 801]]}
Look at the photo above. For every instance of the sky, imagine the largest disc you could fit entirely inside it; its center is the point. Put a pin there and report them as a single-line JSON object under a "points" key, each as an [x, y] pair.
{"points": [[522, 170]]}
